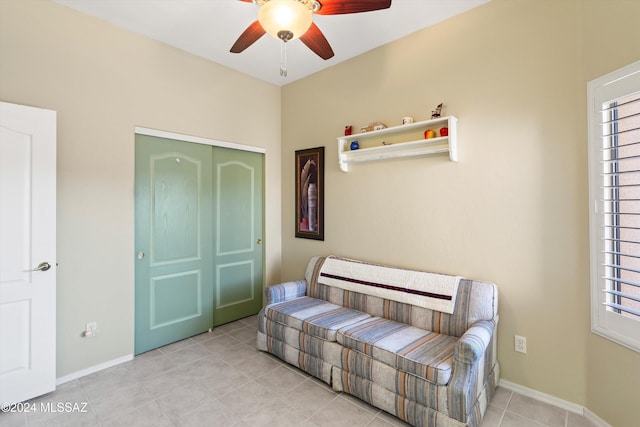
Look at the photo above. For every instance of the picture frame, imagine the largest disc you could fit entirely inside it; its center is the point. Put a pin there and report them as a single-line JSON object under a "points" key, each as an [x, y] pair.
{"points": [[309, 171]]}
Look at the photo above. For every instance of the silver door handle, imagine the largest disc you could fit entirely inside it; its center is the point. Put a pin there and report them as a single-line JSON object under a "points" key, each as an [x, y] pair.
{"points": [[259, 241], [43, 266]]}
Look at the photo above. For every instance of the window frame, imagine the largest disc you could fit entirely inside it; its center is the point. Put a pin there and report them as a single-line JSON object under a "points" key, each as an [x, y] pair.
{"points": [[605, 322]]}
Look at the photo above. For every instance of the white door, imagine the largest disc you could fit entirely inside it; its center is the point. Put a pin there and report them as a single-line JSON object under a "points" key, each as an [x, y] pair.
{"points": [[27, 252]]}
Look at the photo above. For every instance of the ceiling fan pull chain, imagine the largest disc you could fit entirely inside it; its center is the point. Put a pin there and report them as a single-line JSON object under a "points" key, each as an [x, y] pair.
{"points": [[283, 59]]}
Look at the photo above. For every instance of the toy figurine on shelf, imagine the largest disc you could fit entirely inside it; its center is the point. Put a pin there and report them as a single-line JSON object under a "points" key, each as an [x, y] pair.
{"points": [[436, 113], [347, 130], [372, 127]]}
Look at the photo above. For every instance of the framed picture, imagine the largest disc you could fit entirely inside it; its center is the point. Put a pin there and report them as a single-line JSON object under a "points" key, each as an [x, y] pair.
{"points": [[310, 193]]}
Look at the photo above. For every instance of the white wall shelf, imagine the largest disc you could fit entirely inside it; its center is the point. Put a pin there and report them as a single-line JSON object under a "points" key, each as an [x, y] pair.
{"points": [[403, 142]]}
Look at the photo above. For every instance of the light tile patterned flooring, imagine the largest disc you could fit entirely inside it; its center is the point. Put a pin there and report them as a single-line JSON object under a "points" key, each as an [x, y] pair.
{"points": [[220, 379]]}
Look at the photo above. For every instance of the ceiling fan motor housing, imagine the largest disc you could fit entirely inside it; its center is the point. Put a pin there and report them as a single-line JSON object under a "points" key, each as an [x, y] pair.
{"points": [[285, 19], [313, 5], [285, 35]]}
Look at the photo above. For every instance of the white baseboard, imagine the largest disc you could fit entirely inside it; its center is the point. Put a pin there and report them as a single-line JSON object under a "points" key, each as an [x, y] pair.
{"points": [[543, 397], [93, 369], [596, 420], [555, 401]]}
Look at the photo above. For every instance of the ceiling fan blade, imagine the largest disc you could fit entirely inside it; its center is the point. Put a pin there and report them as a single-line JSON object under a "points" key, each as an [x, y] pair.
{"points": [[249, 37], [339, 7], [317, 42]]}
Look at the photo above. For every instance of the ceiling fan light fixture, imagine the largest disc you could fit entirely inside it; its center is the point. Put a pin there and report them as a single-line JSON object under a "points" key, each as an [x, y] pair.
{"points": [[290, 17]]}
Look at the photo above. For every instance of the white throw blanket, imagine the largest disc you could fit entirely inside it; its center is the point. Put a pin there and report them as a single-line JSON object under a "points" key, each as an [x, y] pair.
{"points": [[428, 290]]}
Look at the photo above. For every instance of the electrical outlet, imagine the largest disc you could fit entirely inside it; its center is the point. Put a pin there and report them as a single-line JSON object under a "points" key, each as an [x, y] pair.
{"points": [[521, 344], [91, 329]]}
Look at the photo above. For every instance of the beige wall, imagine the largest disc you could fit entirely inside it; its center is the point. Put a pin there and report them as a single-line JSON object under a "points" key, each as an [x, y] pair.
{"points": [[104, 81], [514, 210]]}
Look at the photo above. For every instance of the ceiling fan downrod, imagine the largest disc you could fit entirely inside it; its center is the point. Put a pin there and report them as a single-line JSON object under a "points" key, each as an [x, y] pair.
{"points": [[283, 54]]}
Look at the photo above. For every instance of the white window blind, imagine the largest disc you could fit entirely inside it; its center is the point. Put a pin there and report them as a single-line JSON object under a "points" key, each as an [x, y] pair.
{"points": [[621, 201], [614, 152]]}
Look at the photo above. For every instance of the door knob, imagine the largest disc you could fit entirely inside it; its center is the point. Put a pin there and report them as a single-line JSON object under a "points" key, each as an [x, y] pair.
{"points": [[43, 266], [140, 255], [259, 241]]}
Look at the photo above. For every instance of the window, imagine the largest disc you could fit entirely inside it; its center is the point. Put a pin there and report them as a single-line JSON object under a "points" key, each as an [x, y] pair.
{"points": [[614, 173]]}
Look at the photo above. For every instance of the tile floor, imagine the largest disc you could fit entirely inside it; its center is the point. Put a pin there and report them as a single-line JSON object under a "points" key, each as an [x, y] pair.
{"points": [[220, 379]]}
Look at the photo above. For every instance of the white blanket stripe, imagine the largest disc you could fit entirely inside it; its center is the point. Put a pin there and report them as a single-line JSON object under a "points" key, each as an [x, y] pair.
{"points": [[429, 290]]}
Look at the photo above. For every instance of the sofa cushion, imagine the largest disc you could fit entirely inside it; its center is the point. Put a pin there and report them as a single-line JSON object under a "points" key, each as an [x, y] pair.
{"points": [[426, 354], [313, 316]]}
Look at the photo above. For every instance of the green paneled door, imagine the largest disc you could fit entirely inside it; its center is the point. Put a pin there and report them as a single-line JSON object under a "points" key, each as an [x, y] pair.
{"points": [[174, 275], [238, 219], [199, 216]]}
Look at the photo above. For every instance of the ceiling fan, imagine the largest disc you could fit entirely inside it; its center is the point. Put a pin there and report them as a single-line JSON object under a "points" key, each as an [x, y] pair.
{"points": [[291, 19]]}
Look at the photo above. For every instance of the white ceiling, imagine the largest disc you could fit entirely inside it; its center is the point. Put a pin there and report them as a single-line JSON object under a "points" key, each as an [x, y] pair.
{"points": [[208, 28]]}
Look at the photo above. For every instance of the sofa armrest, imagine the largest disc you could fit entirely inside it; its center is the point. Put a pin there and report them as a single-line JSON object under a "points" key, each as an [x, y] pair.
{"points": [[285, 291], [472, 357], [473, 344]]}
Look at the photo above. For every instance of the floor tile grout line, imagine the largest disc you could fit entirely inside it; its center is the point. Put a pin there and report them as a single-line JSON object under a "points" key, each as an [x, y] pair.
{"points": [[504, 410], [132, 409], [323, 407], [348, 397], [526, 418], [164, 414], [565, 412], [88, 396], [335, 396], [259, 407], [306, 379]]}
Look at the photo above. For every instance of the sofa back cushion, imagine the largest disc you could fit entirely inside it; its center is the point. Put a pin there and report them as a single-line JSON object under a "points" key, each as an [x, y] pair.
{"points": [[474, 301]]}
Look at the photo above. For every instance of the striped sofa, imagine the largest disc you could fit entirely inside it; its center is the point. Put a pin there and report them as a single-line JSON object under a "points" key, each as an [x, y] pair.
{"points": [[417, 345]]}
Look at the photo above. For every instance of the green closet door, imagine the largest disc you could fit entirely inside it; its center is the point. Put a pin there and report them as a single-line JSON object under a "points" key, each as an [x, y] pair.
{"points": [[238, 225], [174, 241]]}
